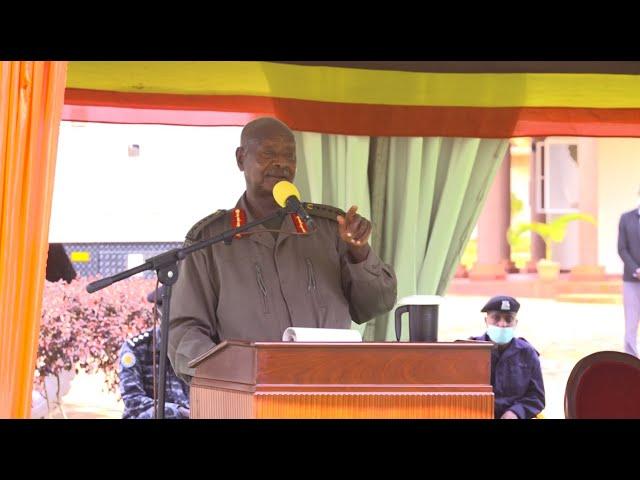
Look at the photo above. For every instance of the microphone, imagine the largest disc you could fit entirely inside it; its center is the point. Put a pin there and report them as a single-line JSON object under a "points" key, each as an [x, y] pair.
{"points": [[287, 195]]}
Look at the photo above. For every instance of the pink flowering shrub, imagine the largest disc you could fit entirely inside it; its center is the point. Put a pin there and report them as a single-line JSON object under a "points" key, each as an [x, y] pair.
{"points": [[85, 331]]}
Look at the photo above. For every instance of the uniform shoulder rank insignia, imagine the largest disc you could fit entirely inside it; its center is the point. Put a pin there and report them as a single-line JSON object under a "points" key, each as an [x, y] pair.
{"points": [[192, 235], [128, 360], [324, 211], [237, 219], [527, 342]]}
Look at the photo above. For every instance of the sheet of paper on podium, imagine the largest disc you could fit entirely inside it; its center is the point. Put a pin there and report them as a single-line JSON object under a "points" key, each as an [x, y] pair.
{"points": [[302, 334]]}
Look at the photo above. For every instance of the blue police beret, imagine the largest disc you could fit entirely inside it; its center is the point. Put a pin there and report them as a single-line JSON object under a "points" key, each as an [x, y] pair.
{"points": [[501, 303]]}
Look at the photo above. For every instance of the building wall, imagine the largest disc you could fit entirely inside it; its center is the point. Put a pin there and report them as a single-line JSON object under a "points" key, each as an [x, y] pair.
{"points": [[520, 184], [520, 179], [618, 184], [104, 194]]}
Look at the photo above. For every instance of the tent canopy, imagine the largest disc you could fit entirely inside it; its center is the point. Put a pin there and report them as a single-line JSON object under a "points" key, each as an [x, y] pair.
{"points": [[453, 99]]}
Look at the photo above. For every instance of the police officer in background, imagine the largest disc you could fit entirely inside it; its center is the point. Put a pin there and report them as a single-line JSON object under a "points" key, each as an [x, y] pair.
{"points": [[136, 377], [516, 375]]}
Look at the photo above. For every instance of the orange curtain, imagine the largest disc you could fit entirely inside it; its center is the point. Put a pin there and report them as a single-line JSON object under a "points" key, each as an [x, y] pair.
{"points": [[31, 100]]}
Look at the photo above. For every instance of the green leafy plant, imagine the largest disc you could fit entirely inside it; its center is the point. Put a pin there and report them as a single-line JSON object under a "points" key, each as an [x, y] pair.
{"points": [[552, 232]]}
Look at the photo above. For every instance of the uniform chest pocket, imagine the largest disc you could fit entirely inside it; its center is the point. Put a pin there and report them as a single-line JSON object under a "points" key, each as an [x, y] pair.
{"points": [[518, 376], [518, 369], [312, 283], [262, 288]]}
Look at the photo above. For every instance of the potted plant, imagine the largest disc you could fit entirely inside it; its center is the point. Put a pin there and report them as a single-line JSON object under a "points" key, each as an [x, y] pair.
{"points": [[552, 232]]}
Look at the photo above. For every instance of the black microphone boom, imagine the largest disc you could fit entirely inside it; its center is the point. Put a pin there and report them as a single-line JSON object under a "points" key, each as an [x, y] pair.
{"points": [[288, 197], [294, 204]]}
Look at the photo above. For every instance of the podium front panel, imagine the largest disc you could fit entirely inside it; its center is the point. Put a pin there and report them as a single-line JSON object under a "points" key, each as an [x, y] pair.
{"points": [[348, 380]]}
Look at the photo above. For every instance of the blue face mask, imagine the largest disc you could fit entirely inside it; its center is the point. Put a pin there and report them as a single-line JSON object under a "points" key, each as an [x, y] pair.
{"points": [[500, 335]]}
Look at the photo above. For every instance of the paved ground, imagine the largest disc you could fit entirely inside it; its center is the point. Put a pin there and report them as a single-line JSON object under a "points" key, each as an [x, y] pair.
{"points": [[562, 332]]}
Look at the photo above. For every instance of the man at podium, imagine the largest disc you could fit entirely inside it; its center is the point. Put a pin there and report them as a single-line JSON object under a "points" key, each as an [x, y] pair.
{"points": [[284, 273]]}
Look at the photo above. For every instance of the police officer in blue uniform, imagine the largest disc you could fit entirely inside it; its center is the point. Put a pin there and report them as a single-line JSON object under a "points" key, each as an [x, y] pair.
{"points": [[136, 378], [516, 375]]}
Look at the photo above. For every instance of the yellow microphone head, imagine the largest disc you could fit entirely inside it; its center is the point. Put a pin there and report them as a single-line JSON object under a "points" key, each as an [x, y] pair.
{"points": [[283, 190]]}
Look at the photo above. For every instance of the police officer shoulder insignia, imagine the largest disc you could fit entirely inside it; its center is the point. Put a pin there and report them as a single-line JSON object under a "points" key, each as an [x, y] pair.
{"points": [[128, 360], [528, 343], [193, 233], [324, 211], [140, 338]]}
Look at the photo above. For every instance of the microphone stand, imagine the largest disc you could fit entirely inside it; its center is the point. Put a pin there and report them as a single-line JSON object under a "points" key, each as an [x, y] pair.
{"points": [[166, 268]]}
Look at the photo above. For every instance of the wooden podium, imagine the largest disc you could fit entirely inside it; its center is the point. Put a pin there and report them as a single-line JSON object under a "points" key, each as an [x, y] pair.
{"points": [[343, 380]]}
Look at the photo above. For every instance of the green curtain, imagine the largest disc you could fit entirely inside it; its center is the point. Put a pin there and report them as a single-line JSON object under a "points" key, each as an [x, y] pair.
{"points": [[332, 170], [423, 196], [426, 196]]}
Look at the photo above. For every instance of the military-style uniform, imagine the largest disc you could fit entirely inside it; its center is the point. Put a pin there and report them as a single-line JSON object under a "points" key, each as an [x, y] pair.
{"points": [[136, 380], [259, 285], [516, 378], [516, 375]]}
